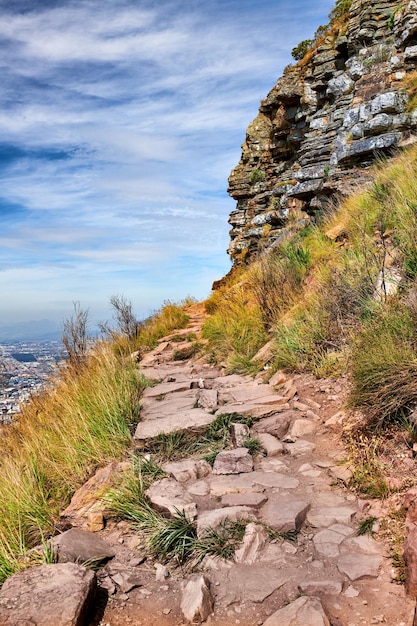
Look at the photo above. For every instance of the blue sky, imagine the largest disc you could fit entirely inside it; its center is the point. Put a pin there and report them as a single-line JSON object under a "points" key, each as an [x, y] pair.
{"points": [[119, 124]]}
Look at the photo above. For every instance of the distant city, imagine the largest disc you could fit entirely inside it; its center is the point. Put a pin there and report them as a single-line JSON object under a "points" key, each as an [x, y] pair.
{"points": [[25, 368]]}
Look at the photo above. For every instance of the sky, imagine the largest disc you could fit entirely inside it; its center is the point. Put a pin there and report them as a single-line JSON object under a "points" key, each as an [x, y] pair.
{"points": [[120, 121]]}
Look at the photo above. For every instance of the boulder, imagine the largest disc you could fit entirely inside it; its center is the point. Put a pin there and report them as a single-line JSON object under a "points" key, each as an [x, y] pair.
{"points": [[49, 595], [304, 611], [197, 601], [235, 461], [80, 546]]}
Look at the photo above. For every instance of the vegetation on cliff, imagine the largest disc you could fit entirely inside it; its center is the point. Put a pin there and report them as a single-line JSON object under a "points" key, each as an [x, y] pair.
{"points": [[337, 297]]}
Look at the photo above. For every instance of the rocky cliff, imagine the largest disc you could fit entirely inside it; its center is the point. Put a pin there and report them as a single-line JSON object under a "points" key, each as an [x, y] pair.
{"points": [[350, 100]]}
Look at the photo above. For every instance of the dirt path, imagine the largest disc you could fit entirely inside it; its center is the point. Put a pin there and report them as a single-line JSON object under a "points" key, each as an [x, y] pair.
{"points": [[298, 486]]}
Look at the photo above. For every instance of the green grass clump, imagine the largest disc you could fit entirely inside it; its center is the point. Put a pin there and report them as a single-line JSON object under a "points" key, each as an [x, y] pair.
{"points": [[384, 364]]}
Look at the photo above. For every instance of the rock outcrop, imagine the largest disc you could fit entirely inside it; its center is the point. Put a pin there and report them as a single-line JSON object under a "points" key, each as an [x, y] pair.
{"points": [[324, 123]]}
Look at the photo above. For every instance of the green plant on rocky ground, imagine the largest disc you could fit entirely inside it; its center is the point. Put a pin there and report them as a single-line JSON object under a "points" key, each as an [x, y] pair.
{"points": [[183, 354], [366, 526], [257, 176], [207, 444], [369, 474], [254, 445]]}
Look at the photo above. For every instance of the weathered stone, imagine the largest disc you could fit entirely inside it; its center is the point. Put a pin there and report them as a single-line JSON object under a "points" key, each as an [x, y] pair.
{"points": [[80, 546], [327, 541], [300, 447], [285, 514], [216, 517], [235, 461], [239, 433], [277, 379], [254, 540], [358, 566], [325, 516], [274, 480], [265, 354], [188, 469], [302, 427], [191, 420], [410, 559], [95, 521], [233, 483], [207, 399], [276, 425], [169, 497], [253, 500], [89, 498], [321, 587], [164, 388], [199, 488], [48, 595], [250, 583], [197, 601], [304, 611], [271, 445]]}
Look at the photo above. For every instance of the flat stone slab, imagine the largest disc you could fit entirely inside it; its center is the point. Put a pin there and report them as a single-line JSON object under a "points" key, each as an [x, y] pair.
{"points": [[233, 483], [156, 409], [274, 480], [327, 541], [253, 583], [331, 515], [163, 388], [250, 408], [302, 612], [357, 566], [285, 514], [215, 518], [253, 500], [194, 419], [272, 464], [235, 461], [49, 595]]}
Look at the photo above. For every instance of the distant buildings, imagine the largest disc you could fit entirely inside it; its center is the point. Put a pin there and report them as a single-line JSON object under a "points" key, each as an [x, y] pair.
{"points": [[25, 368]]}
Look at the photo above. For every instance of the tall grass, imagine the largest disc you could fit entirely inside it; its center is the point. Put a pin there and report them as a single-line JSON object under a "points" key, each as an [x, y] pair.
{"points": [[235, 331], [82, 422]]}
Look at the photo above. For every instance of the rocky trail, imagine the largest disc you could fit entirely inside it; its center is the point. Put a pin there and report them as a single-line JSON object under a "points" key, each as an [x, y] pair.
{"points": [[317, 571]]}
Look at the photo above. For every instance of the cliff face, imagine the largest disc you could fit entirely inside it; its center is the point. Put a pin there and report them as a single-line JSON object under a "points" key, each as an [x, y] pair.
{"points": [[325, 122]]}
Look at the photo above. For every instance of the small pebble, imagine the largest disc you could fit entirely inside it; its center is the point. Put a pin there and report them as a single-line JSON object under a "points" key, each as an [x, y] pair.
{"points": [[166, 611]]}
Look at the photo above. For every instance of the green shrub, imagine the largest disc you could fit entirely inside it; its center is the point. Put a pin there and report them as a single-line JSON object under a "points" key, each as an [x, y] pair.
{"points": [[301, 49], [257, 176]]}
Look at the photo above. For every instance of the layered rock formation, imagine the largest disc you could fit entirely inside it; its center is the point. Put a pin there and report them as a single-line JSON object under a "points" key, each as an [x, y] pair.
{"points": [[325, 122]]}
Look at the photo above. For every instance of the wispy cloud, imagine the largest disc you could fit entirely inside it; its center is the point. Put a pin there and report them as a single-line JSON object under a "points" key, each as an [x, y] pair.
{"points": [[119, 125]]}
